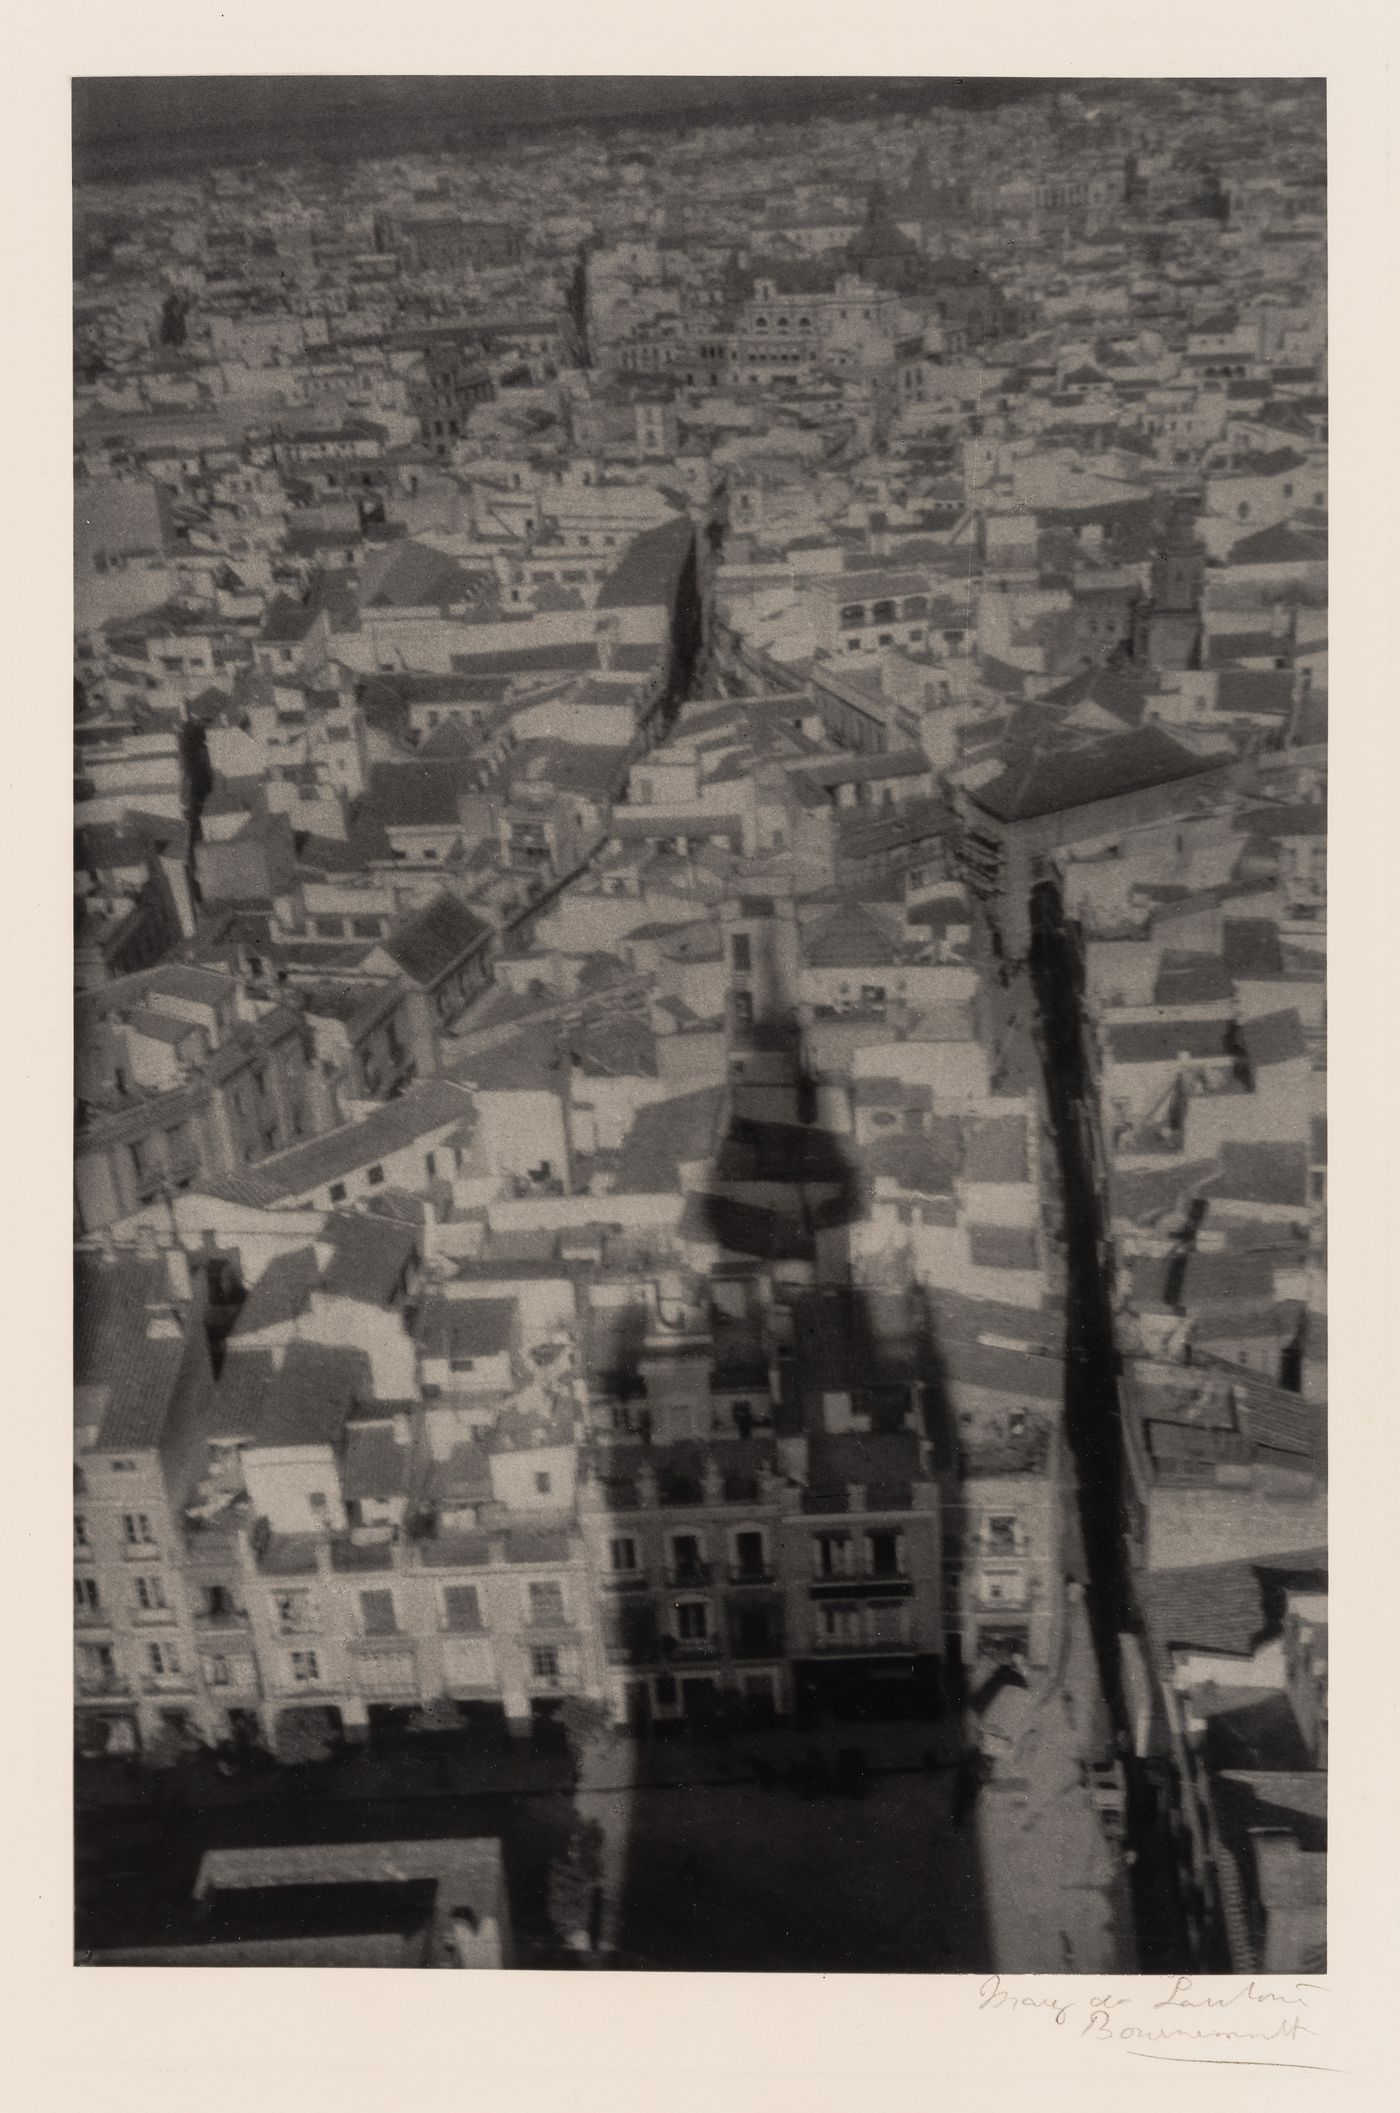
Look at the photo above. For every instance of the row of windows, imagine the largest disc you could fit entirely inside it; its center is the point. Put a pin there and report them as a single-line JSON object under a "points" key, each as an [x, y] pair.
{"points": [[98, 1661], [149, 1595], [860, 643], [879, 1553], [349, 927], [863, 1624], [137, 1531], [749, 1553], [305, 1666], [885, 612], [297, 1610]]}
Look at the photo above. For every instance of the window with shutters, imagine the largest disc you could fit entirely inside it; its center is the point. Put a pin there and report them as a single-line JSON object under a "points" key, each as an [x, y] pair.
{"points": [[377, 1615], [833, 1555], [546, 1604], [294, 1611], [461, 1610], [885, 1554]]}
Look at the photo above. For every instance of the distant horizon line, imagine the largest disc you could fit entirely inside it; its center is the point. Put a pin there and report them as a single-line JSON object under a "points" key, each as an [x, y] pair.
{"points": [[153, 126]]}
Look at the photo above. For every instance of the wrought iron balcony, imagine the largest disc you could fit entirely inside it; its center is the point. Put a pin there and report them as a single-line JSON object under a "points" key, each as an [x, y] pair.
{"points": [[688, 1576]]}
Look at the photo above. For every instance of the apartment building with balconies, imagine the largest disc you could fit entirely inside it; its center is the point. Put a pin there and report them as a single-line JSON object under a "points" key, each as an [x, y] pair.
{"points": [[684, 1546], [178, 1078], [142, 1397], [862, 1532]]}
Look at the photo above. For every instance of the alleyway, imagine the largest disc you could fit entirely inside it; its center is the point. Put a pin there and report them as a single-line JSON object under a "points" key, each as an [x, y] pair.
{"points": [[1055, 1888]]}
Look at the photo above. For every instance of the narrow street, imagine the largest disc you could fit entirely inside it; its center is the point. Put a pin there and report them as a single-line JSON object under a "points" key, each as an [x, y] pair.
{"points": [[1092, 1407], [1056, 1889]]}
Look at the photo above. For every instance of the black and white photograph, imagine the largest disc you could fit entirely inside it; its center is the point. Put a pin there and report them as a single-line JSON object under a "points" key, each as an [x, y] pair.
{"points": [[699, 977]]}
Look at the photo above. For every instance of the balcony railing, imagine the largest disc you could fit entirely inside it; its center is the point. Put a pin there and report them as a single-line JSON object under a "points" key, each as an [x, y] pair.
{"points": [[864, 1574], [692, 1650], [750, 1574], [766, 1647], [222, 1618], [241, 1679], [625, 1581], [93, 1685], [861, 1646], [690, 1574], [642, 1651]]}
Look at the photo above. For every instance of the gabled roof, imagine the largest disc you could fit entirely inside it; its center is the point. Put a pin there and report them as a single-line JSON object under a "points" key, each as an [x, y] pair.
{"points": [[449, 1328], [1164, 1041], [287, 622], [1251, 948], [281, 1293], [427, 1106], [1191, 979], [1057, 778], [412, 796], [1273, 1038], [665, 1135], [1226, 1607], [1262, 1173], [370, 1259], [851, 938], [413, 576], [433, 941], [128, 1376], [914, 1162], [374, 1463], [1280, 545], [309, 1401]]}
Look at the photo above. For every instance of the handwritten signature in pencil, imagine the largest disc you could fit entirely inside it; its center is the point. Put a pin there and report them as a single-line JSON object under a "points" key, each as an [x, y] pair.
{"points": [[1242, 2011]]}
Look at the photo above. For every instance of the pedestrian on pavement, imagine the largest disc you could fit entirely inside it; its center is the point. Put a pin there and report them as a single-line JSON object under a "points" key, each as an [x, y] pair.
{"points": [[1067, 1704]]}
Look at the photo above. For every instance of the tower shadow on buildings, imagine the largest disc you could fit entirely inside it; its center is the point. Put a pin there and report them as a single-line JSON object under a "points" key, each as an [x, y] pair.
{"points": [[776, 1497]]}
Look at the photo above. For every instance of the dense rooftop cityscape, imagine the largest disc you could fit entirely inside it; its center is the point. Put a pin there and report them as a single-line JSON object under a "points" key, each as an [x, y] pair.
{"points": [[700, 918]]}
